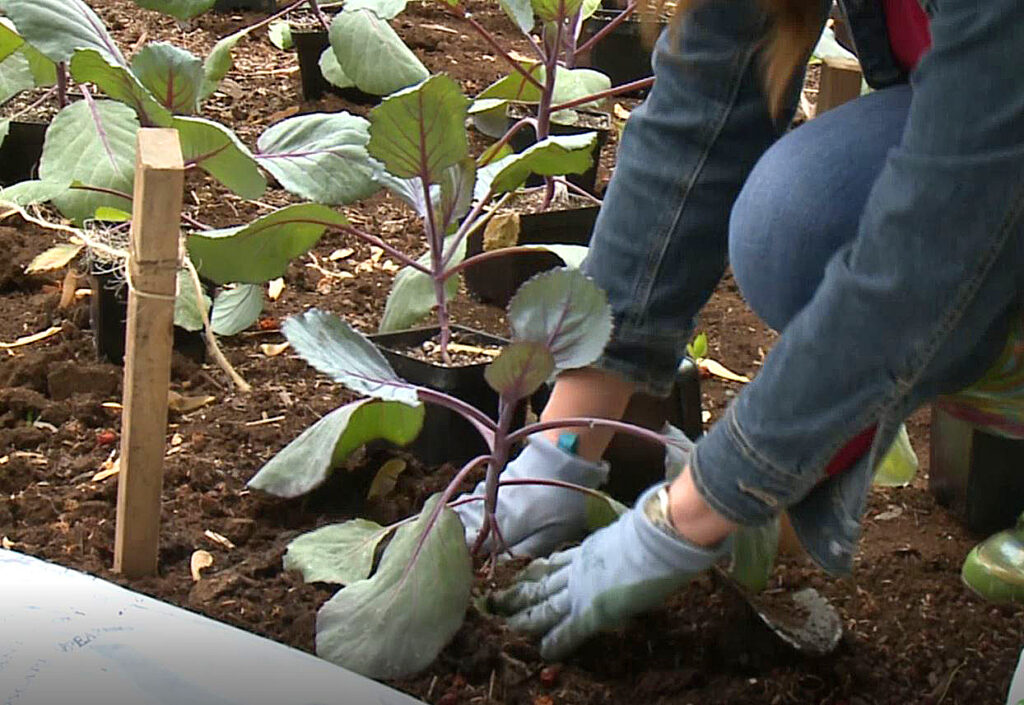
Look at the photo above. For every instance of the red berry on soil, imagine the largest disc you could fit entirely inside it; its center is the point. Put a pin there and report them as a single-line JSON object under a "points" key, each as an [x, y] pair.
{"points": [[267, 324], [106, 437], [549, 675]]}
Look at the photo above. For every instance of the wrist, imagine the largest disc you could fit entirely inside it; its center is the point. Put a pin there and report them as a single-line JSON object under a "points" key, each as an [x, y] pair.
{"points": [[691, 517]]}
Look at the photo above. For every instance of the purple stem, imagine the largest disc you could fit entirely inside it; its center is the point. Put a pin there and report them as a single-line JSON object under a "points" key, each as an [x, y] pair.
{"points": [[501, 52], [405, 259], [195, 223], [585, 422], [577, 190], [62, 84], [491, 254], [483, 423], [104, 190], [624, 88], [435, 239], [42, 99], [321, 17], [607, 29]]}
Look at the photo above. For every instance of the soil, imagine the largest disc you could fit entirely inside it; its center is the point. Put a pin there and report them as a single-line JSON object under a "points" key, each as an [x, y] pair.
{"points": [[913, 634]]}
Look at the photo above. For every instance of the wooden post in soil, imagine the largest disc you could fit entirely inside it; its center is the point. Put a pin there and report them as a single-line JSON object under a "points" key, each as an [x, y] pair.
{"points": [[152, 274], [840, 82]]}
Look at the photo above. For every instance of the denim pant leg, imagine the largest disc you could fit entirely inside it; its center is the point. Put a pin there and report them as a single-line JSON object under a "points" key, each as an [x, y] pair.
{"points": [[908, 308], [660, 241], [803, 201]]}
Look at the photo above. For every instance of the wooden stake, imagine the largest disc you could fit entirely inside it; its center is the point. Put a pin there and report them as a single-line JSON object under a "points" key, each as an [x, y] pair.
{"points": [[840, 82], [152, 269]]}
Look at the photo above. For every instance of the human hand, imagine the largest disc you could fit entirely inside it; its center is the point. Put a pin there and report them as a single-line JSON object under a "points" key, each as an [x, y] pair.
{"points": [[623, 569], [536, 519]]}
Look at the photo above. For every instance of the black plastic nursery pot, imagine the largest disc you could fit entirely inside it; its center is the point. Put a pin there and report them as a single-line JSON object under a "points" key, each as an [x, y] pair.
{"points": [[446, 436], [21, 151], [108, 318], [494, 281], [590, 121], [621, 54], [310, 44], [256, 5], [975, 473]]}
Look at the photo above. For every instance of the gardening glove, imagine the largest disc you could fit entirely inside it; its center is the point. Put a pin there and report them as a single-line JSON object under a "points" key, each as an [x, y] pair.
{"points": [[536, 519], [623, 569]]}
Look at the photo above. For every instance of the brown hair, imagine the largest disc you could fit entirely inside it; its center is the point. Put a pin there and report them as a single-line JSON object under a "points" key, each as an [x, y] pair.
{"points": [[794, 32]]}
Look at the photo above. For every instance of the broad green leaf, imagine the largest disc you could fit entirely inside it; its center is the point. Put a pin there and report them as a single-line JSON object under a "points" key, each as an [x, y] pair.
{"points": [[520, 369], [331, 70], [90, 66], [43, 70], [555, 10], [421, 131], [384, 9], [386, 478], [306, 462], [107, 214], [59, 27], [602, 511], [699, 347], [186, 304], [217, 150], [554, 156], [335, 348], [279, 32], [899, 464], [93, 143], [409, 191], [174, 76], [520, 12], [588, 9], [395, 623], [321, 157], [338, 553], [413, 296], [260, 251], [457, 182], [565, 311], [236, 309], [10, 40], [571, 255], [513, 87], [489, 117], [15, 76], [179, 9], [28, 193], [219, 62], [572, 84], [372, 54]]}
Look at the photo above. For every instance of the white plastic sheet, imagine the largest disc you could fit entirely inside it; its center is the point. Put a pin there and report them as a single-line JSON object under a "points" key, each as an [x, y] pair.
{"points": [[70, 638]]}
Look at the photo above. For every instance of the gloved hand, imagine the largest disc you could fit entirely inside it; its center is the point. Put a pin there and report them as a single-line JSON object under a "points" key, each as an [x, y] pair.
{"points": [[536, 519], [623, 569]]}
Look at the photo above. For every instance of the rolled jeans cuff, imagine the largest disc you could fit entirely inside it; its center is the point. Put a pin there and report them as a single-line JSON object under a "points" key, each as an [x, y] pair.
{"points": [[649, 362], [739, 483]]}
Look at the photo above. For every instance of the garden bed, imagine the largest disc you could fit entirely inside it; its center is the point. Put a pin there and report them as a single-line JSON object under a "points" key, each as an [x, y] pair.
{"points": [[913, 633]]}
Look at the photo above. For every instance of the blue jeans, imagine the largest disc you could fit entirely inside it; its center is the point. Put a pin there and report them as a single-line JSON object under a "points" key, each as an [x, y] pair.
{"points": [[910, 304]]}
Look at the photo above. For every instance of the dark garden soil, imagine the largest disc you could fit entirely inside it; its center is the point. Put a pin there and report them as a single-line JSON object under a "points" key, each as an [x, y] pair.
{"points": [[913, 634]]}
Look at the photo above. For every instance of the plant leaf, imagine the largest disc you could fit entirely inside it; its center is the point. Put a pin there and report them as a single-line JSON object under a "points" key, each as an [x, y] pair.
{"points": [[59, 27], [186, 304], [520, 12], [306, 462], [421, 131], [386, 478], [565, 311], [29, 193], [173, 75], [10, 40], [321, 157], [337, 553], [554, 156], [395, 623], [384, 9], [260, 251], [899, 464], [91, 66], [279, 32], [217, 150], [457, 182], [236, 309], [91, 142], [219, 61], [179, 9], [372, 54], [520, 369], [56, 257], [513, 87], [15, 76], [412, 294], [333, 347], [602, 511], [332, 71], [555, 10]]}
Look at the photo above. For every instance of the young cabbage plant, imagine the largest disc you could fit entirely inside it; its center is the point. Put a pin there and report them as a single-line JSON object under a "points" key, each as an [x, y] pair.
{"points": [[394, 621]]}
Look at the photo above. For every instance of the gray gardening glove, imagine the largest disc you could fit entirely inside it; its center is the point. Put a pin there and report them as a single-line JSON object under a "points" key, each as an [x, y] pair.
{"points": [[536, 519], [623, 569]]}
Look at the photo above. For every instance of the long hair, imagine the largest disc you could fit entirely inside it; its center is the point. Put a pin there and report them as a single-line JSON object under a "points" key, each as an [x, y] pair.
{"points": [[794, 31]]}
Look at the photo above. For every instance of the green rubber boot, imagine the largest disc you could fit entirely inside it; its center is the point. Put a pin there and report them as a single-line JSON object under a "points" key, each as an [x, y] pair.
{"points": [[994, 569]]}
